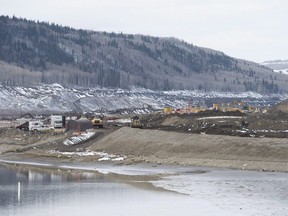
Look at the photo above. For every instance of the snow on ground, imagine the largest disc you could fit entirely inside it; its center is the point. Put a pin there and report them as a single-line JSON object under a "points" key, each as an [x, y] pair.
{"points": [[120, 121], [56, 98], [103, 156], [271, 131], [77, 139], [283, 71], [220, 117]]}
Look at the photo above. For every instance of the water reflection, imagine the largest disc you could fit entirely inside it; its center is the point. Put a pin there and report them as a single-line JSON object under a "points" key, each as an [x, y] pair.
{"points": [[78, 193], [217, 192], [30, 185], [15, 174]]}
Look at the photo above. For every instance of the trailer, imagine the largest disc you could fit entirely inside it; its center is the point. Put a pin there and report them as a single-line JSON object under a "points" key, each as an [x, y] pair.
{"points": [[57, 121]]}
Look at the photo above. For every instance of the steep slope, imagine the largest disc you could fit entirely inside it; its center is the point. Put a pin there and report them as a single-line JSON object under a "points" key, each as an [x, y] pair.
{"points": [[38, 52], [55, 98]]}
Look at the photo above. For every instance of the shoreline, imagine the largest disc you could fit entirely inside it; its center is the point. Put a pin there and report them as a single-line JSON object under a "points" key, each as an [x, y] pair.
{"points": [[140, 181], [89, 164], [157, 147]]}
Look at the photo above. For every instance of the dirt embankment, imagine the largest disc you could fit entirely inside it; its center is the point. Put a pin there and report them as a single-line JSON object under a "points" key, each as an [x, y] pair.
{"points": [[196, 149], [221, 123], [175, 139]]}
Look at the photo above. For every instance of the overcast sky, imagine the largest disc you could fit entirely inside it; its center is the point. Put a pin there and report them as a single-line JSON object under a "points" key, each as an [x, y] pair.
{"points": [[255, 30]]}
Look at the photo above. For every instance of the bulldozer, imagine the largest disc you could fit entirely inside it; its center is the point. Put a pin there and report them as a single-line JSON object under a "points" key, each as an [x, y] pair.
{"points": [[98, 122], [135, 122]]}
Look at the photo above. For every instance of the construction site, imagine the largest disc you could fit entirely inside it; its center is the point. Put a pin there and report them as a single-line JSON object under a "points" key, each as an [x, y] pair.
{"points": [[209, 137], [234, 118]]}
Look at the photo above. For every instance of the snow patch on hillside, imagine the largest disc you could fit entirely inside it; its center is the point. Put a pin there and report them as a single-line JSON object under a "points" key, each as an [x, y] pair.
{"points": [[56, 98]]}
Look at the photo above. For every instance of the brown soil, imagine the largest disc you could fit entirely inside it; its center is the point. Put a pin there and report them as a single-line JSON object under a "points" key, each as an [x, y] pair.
{"points": [[197, 149], [175, 139], [219, 123]]}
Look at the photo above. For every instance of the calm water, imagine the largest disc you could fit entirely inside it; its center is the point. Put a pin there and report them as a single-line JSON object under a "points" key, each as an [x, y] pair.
{"points": [[213, 192]]}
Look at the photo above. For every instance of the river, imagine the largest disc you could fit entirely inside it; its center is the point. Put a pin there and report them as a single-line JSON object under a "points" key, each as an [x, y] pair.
{"points": [[184, 191]]}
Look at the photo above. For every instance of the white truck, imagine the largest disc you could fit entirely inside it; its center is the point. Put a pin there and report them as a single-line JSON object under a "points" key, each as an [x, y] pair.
{"points": [[38, 126], [57, 121]]}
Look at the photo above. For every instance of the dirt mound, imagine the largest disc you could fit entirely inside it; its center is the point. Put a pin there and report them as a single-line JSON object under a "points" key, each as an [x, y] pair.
{"points": [[16, 137], [209, 122], [161, 146], [221, 123], [280, 108], [174, 120]]}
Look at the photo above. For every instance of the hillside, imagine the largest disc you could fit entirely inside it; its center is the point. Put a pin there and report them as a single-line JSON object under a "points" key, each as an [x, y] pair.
{"points": [[46, 98], [38, 52], [278, 66]]}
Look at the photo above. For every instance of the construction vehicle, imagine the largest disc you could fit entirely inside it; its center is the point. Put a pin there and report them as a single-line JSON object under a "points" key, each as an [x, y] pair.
{"points": [[135, 122], [98, 122]]}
